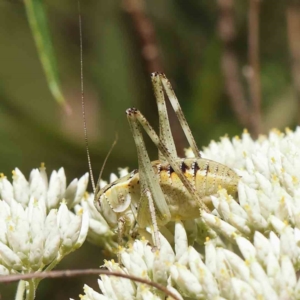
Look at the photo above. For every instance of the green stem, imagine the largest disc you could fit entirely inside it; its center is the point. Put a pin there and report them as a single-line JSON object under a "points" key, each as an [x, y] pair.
{"points": [[30, 290], [49, 268], [20, 290]]}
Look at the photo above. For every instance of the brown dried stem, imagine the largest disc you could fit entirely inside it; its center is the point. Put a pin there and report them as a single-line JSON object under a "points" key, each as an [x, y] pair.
{"points": [[230, 66], [149, 50], [145, 33], [254, 78], [293, 32], [248, 116], [73, 273]]}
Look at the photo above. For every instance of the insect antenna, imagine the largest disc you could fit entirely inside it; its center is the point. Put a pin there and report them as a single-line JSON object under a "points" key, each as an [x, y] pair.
{"points": [[82, 100], [84, 116], [106, 158]]}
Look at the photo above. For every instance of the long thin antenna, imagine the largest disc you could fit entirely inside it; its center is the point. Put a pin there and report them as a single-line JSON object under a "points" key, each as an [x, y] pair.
{"points": [[106, 158], [82, 101]]}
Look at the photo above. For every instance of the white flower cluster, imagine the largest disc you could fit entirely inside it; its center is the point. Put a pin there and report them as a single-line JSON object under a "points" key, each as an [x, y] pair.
{"points": [[36, 227], [263, 271], [256, 250], [269, 189]]}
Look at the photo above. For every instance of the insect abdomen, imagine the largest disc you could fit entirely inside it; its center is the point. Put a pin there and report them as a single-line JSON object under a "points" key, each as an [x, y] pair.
{"points": [[206, 176], [215, 176]]}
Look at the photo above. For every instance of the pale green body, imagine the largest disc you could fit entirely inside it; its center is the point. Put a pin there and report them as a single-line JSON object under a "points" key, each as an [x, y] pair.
{"points": [[122, 197]]}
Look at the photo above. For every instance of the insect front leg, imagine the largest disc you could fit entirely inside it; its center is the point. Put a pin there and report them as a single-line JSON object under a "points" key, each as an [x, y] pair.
{"points": [[152, 198], [121, 229], [151, 208]]}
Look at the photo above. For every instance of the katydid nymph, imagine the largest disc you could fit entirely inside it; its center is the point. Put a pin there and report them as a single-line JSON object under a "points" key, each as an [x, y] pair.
{"points": [[169, 188]]}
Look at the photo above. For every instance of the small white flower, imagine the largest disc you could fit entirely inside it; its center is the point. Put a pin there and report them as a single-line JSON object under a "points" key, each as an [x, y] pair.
{"points": [[123, 172], [181, 242], [186, 282], [57, 188], [242, 290]]}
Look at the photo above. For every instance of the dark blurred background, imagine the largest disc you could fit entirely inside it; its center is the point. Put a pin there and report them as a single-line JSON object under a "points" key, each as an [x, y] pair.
{"points": [[233, 64]]}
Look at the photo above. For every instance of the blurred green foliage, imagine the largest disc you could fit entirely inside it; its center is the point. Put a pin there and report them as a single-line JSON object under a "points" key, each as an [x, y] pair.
{"points": [[35, 129]]}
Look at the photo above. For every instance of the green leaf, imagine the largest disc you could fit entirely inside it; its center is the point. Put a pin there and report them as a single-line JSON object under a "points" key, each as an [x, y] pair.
{"points": [[39, 26]]}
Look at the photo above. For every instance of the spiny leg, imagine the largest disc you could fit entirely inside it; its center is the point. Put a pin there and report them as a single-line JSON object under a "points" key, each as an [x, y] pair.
{"points": [[121, 227], [165, 132], [149, 184], [135, 118], [153, 218], [177, 108], [146, 205]]}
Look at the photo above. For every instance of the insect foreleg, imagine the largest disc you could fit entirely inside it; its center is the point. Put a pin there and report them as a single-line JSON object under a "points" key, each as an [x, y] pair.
{"points": [[146, 215], [177, 108], [151, 191], [135, 118], [153, 218], [121, 228]]}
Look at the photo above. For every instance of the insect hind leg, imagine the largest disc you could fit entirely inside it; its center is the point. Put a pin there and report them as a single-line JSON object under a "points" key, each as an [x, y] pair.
{"points": [[178, 111], [165, 132]]}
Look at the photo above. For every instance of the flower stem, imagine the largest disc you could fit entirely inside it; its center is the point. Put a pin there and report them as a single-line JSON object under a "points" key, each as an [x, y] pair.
{"points": [[49, 268], [31, 290], [20, 290]]}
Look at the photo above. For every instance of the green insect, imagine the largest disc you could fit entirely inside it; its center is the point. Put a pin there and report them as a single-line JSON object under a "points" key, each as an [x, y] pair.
{"points": [[167, 189]]}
